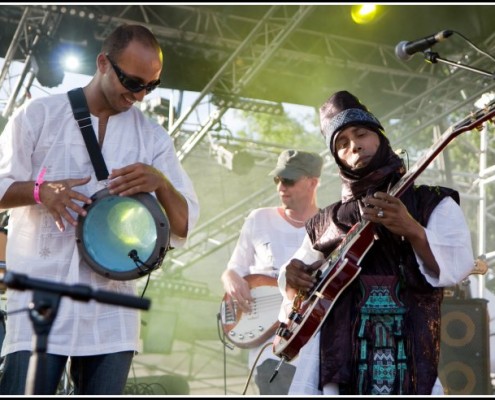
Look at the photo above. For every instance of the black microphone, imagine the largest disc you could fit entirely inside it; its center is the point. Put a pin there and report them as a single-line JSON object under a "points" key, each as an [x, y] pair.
{"points": [[133, 255], [404, 50]]}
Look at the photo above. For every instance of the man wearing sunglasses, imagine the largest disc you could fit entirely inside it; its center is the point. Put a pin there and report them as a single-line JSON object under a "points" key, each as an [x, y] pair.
{"points": [[268, 239], [46, 177]]}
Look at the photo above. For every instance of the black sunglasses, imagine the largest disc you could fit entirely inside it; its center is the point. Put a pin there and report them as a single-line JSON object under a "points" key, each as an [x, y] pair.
{"points": [[132, 84], [284, 181]]}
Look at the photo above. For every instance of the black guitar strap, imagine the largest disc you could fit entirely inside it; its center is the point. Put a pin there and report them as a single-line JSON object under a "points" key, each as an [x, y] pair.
{"points": [[81, 114]]}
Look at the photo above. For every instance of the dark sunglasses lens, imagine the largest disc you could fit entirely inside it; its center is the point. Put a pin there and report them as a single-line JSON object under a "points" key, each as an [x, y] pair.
{"points": [[152, 86], [285, 182], [132, 84], [135, 86]]}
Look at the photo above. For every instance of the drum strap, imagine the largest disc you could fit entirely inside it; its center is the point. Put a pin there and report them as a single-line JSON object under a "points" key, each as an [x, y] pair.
{"points": [[81, 114]]}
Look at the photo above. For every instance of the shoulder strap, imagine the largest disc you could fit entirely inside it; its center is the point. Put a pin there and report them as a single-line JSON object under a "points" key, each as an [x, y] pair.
{"points": [[81, 114]]}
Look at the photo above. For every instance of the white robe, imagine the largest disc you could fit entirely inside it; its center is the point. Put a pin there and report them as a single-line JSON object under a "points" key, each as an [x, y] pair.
{"points": [[44, 133]]}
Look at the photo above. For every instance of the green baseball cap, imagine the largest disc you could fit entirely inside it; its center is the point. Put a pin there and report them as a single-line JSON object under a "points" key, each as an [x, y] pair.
{"points": [[294, 164]]}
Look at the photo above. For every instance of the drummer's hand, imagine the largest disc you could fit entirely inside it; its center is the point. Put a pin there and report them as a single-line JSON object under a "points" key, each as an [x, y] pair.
{"points": [[59, 198], [135, 178]]}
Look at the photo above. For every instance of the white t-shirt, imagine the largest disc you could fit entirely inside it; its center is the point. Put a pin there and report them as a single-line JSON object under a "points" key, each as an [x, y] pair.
{"points": [[265, 243], [44, 133]]}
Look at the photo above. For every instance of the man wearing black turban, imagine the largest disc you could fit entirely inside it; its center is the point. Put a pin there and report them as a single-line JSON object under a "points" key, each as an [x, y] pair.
{"points": [[382, 334]]}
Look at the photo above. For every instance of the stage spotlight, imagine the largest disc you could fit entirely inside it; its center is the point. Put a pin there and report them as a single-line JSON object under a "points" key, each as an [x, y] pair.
{"points": [[234, 158], [71, 53], [45, 63], [363, 13], [71, 62]]}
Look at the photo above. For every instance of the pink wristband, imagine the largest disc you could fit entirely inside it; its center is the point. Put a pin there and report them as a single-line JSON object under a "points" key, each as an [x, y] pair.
{"points": [[37, 185]]}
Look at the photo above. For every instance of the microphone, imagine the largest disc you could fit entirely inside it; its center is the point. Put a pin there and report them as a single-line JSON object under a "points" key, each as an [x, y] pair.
{"points": [[404, 50], [133, 255]]}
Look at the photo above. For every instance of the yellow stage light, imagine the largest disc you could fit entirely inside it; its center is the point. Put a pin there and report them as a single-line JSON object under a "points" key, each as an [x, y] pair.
{"points": [[363, 13]]}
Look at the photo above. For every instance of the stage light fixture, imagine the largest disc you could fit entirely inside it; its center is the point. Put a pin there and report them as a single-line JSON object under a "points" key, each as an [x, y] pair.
{"points": [[363, 13], [233, 157], [158, 108], [71, 62], [46, 64], [247, 104]]}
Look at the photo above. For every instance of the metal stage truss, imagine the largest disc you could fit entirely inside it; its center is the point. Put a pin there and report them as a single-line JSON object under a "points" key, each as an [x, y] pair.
{"points": [[275, 39]]}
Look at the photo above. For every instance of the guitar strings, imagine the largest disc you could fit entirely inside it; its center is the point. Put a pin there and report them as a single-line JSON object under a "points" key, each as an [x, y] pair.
{"points": [[266, 302], [263, 300]]}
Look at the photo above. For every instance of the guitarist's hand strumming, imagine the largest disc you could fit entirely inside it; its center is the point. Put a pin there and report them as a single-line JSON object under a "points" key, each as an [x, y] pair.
{"points": [[238, 288]]}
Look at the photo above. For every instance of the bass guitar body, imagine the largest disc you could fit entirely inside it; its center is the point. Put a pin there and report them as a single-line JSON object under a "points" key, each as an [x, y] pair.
{"points": [[248, 330]]}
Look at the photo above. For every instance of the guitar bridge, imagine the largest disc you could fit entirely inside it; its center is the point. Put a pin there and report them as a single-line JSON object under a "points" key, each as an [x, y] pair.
{"points": [[228, 312]]}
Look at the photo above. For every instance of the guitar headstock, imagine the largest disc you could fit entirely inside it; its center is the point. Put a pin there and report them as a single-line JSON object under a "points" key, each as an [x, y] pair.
{"points": [[476, 119]]}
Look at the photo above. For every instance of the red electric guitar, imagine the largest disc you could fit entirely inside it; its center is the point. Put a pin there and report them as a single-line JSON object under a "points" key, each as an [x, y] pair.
{"points": [[342, 266]]}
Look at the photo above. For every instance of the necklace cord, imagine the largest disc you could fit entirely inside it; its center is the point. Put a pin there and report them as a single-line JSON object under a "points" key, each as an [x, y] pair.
{"points": [[297, 221]]}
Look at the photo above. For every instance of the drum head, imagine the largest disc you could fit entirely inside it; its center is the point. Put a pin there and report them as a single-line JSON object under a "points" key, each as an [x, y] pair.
{"points": [[123, 237]]}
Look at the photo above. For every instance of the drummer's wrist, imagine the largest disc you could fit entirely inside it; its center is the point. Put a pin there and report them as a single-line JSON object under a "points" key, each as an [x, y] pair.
{"points": [[37, 185]]}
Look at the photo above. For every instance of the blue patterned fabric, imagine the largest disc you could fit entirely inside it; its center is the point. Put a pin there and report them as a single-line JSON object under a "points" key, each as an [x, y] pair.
{"points": [[382, 360]]}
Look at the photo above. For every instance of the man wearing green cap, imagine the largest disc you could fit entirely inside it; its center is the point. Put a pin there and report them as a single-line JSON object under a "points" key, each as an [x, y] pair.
{"points": [[269, 237]]}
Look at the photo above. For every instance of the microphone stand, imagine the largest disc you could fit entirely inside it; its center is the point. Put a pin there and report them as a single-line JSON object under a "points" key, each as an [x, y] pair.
{"points": [[43, 310], [433, 57]]}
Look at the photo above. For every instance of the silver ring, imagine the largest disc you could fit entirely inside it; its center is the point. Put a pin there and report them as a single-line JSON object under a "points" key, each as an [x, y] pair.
{"points": [[380, 214]]}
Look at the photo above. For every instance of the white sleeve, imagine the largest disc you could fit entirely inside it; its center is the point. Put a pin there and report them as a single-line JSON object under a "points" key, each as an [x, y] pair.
{"points": [[168, 163], [242, 257], [450, 242]]}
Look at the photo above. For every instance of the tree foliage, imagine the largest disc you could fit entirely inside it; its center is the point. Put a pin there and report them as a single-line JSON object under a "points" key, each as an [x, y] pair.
{"points": [[283, 130]]}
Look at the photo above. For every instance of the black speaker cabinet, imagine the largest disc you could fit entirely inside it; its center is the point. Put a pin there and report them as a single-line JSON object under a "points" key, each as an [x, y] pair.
{"points": [[464, 353]]}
